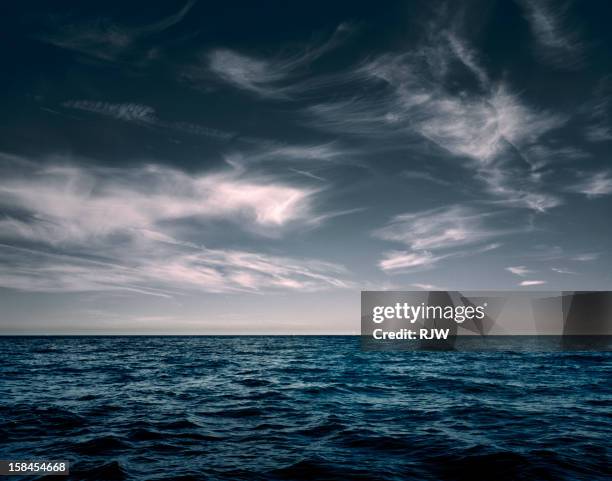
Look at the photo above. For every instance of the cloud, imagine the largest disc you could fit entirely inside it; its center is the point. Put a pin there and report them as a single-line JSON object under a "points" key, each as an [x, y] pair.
{"points": [[104, 39], [67, 203], [405, 261], [144, 115], [548, 253], [519, 270], [309, 174], [270, 152], [468, 57], [155, 268], [435, 235], [248, 73], [557, 43], [594, 184], [586, 257], [540, 155], [484, 128], [412, 91], [263, 77], [561, 270], [128, 111], [329, 151], [373, 116], [167, 22], [598, 132], [597, 112], [92, 229], [490, 247], [245, 72], [489, 130], [421, 175], [412, 97], [531, 283], [427, 287], [438, 228]]}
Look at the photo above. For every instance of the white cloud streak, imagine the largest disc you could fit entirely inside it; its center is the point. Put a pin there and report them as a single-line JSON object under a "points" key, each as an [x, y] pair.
{"points": [[438, 229], [421, 175], [82, 202], [562, 270], [594, 184], [435, 235], [144, 115], [519, 270], [92, 229], [104, 39], [130, 112], [408, 261], [597, 111], [145, 266], [557, 43], [592, 256], [247, 73], [531, 283], [64, 204], [598, 132], [490, 128], [427, 287], [263, 77]]}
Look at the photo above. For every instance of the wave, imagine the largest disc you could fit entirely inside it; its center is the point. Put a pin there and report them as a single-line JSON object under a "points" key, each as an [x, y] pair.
{"points": [[256, 408]]}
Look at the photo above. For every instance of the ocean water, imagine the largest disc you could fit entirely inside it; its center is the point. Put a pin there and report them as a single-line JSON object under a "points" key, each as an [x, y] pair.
{"points": [[281, 408]]}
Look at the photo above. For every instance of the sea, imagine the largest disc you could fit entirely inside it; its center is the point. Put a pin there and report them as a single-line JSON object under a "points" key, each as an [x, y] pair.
{"points": [[302, 408]]}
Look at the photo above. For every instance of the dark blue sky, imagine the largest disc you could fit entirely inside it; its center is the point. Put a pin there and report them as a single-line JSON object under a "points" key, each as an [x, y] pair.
{"points": [[243, 167]]}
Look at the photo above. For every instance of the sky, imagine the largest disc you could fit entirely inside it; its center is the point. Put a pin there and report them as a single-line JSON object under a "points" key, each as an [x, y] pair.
{"points": [[237, 167]]}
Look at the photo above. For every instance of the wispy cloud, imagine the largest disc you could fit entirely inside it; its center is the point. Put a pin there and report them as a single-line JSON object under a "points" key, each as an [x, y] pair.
{"points": [[304, 153], [597, 111], [422, 175], [308, 174], [549, 253], [598, 132], [105, 39], [408, 261], [439, 228], [93, 229], [427, 287], [468, 56], [73, 202], [483, 128], [592, 256], [414, 94], [541, 154], [435, 235], [159, 269], [562, 270], [143, 115], [519, 270], [531, 283], [262, 76], [557, 42], [491, 129], [593, 184], [130, 112], [247, 73]]}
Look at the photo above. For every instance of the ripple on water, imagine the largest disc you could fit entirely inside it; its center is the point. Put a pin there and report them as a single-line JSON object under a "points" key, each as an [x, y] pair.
{"points": [[257, 408]]}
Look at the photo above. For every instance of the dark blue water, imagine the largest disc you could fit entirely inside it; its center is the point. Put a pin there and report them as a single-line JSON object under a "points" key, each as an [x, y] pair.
{"points": [[186, 408]]}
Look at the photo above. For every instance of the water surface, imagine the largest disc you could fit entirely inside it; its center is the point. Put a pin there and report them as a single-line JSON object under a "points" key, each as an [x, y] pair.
{"points": [[279, 408]]}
